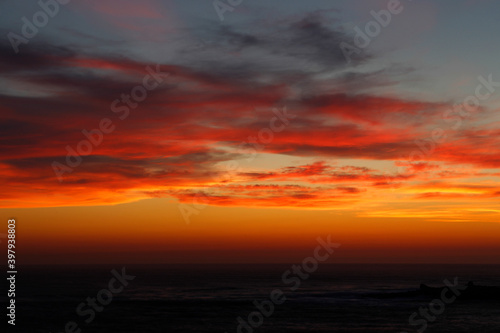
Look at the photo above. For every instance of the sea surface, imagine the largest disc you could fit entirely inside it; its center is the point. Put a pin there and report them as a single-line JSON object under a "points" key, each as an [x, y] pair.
{"points": [[211, 298]]}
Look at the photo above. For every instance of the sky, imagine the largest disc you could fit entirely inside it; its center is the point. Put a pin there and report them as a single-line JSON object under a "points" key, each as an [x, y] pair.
{"points": [[240, 131]]}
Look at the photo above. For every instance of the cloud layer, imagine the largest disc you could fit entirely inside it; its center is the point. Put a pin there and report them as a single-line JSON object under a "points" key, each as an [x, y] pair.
{"points": [[351, 132]]}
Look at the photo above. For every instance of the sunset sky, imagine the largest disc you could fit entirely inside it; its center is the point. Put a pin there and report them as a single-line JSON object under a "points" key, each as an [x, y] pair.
{"points": [[256, 134]]}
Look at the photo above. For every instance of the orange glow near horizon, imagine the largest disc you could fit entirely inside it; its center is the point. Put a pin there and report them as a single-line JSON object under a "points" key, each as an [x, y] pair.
{"points": [[153, 231]]}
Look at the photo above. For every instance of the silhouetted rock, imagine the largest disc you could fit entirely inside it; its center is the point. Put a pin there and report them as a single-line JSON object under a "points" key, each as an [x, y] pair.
{"points": [[468, 292]]}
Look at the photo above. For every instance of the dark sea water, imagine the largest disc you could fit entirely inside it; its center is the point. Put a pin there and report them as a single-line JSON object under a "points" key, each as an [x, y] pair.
{"points": [[210, 298]]}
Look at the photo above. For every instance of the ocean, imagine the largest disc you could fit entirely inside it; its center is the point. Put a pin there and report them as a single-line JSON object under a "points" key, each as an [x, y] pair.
{"points": [[251, 298]]}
